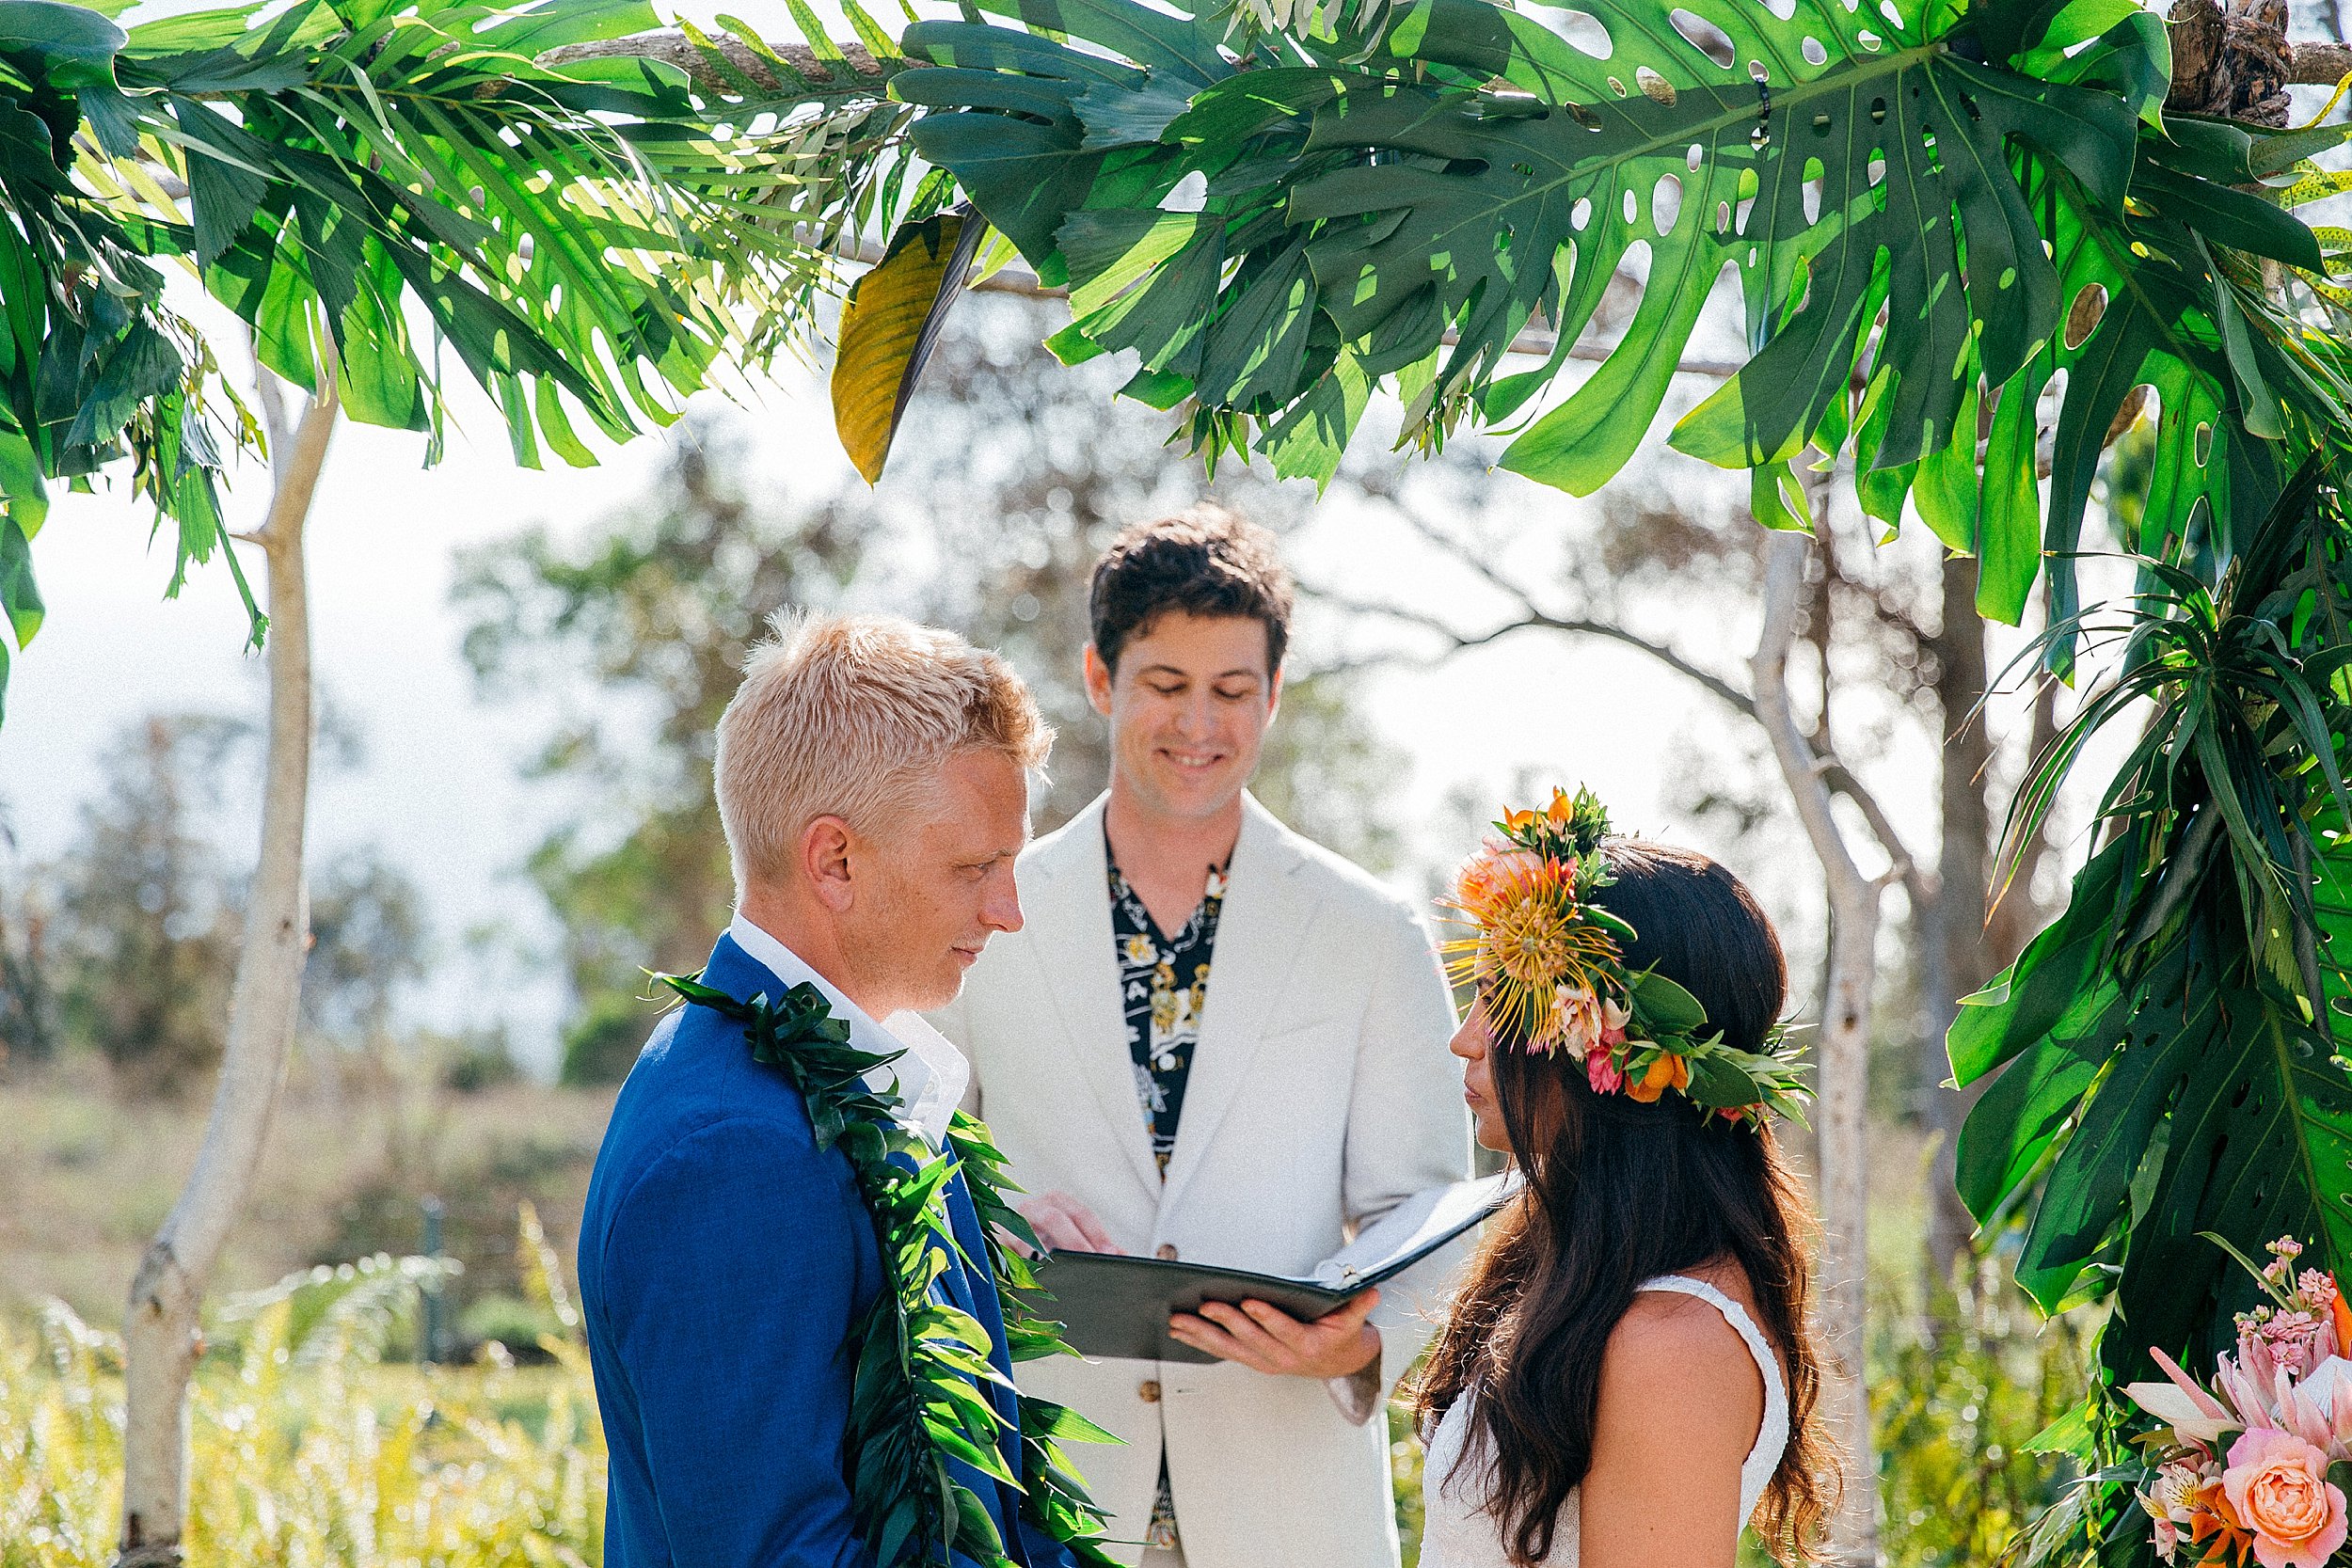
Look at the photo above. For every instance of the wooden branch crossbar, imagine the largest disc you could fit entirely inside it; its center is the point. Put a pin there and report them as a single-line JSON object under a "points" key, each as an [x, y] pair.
{"points": [[1533, 341], [671, 47]]}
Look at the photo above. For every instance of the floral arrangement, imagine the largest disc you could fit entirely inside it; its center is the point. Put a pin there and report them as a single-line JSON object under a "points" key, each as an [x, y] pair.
{"points": [[2258, 1461], [1549, 966]]}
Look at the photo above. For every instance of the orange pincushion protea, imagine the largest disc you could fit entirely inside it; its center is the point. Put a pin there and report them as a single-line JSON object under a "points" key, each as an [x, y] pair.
{"points": [[1533, 953]]}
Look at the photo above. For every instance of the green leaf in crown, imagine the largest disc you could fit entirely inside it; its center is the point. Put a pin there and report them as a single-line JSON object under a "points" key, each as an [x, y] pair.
{"points": [[913, 1402]]}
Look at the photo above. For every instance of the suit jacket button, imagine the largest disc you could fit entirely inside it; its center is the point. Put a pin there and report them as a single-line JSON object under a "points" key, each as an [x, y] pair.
{"points": [[1165, 1253], [1149, 1390]]}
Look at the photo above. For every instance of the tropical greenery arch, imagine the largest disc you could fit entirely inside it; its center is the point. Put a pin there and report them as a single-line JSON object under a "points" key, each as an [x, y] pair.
{"points": [[1967, 236]]}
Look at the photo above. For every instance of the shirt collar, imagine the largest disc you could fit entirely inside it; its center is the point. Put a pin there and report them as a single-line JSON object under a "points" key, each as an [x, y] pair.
{"points": [[929, 1078]]}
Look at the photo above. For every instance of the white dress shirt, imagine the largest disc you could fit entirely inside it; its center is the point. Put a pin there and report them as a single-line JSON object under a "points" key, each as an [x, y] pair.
{"points": [[930, 1076]]}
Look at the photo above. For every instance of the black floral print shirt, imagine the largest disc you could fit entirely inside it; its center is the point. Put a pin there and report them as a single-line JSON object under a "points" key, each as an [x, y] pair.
{"points": [[1164, 984]]}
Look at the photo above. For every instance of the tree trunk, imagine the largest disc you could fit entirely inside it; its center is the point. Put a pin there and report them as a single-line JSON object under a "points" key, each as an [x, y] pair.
{"points": [[1842, 1056], [161, 1335], [1955, 951]]}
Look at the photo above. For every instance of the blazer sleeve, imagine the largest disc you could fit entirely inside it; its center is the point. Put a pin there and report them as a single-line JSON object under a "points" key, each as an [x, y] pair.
{"points": [[1407, 1128], [730, 1276]]}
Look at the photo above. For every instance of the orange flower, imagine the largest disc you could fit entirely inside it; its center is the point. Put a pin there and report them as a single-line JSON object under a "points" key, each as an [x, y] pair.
{"points": [[1563, 809], [2341, 1315], [1669, 1071], [1518, 821]]}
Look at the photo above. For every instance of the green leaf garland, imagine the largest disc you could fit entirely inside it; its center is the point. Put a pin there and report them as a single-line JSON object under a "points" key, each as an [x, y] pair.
{"points": [[914, 1405]]}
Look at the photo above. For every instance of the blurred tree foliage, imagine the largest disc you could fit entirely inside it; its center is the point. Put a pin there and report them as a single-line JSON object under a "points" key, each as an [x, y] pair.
{"points": [[1011, 475], [149, 936], [28, 1025], [141, 946], [367, 940]]}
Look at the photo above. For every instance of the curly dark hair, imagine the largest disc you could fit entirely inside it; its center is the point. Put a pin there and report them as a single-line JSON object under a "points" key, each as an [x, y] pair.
{"points": [[1617, 1193], [1204, 561]]}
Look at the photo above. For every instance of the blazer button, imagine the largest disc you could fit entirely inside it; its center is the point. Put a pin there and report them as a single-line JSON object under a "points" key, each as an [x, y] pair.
{"points": [[1165, 1253], [1149, 1390]]}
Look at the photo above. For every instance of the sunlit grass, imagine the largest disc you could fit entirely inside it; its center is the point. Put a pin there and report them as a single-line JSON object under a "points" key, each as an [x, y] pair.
{"points": [[307, 1448], [312, 1451]]}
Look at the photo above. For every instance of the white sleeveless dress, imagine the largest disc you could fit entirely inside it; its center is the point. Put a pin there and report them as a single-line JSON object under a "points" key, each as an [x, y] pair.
{"points": [[1457, 1532]]}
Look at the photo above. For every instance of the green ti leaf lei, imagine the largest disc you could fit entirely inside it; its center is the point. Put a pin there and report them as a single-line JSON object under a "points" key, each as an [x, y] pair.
{"points": [[913, 1404]]}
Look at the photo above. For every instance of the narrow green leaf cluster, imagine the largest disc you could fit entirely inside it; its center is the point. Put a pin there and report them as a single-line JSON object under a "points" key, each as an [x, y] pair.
{"points": [[591, 229], [922, 1363]]}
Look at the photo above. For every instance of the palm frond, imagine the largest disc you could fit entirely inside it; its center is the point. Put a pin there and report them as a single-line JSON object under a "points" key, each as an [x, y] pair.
{"points": [[1932, 211], [592, 228]]}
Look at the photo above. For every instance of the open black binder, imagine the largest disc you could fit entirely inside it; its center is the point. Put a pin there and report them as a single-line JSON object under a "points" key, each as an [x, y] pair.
{"points": [[1114, 1306]]}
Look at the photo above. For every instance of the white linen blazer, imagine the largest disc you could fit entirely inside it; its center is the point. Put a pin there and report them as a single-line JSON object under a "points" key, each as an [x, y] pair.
{"points": [[1321, 1094]]}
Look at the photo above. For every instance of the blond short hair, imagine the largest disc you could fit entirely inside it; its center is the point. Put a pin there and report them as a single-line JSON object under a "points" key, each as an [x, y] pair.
{"points": [[848, 716]]}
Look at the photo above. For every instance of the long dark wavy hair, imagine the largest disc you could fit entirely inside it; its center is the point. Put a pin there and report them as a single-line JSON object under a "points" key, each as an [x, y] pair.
{"points": [[1617, 1193]]}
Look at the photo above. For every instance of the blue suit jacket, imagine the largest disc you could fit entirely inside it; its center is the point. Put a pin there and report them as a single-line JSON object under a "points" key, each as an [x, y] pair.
{"points": [[723, 1263]]}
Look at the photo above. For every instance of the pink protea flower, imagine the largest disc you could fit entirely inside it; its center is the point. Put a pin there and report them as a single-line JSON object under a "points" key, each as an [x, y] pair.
{"points": [[2292, 1342], [2277, 1484], [1601, 1070]]}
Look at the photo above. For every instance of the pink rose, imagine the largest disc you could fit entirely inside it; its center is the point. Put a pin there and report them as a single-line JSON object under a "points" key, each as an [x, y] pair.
{"points": [[2277, 1485], [1602, 1071]]}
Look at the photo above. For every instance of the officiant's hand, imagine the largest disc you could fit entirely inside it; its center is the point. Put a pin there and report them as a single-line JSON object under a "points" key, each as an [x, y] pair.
{"points": [[1338, 1344], [1065, 1224]]}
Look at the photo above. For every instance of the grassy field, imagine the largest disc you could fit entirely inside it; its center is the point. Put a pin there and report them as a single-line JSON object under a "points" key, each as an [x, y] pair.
{"points": [[315, 1446], [84, 1179]]}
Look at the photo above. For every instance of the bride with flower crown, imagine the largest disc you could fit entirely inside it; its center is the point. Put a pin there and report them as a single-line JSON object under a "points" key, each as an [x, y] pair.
{"points": [[1627, 1378]]}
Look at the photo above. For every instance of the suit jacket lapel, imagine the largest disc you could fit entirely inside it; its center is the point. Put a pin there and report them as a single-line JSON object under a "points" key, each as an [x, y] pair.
{"points": [[1256, 946], [1067, 895], [743, 976]]}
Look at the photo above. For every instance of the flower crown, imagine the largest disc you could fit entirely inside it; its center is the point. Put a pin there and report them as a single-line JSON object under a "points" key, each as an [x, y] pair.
{"points": [[1548, 965]]}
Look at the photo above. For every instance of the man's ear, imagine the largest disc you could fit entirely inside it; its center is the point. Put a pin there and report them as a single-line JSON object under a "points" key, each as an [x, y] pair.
{"points": [[1098, 675], [825, 862], [1274, 695]]}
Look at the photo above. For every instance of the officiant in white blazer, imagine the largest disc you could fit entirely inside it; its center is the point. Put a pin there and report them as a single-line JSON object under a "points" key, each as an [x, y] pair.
{"points": [[1217, 1041]]}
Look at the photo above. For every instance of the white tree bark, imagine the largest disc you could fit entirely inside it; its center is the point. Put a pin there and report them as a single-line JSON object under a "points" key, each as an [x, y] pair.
{"points": [[1841, 1057], [161, 1331]]}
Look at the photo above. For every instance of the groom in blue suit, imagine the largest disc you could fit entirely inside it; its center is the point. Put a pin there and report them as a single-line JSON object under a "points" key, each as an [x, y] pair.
{"points": [[871, 777]]}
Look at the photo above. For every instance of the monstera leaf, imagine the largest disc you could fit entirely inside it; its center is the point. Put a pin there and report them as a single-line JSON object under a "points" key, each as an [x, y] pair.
{"points": [[588, 232], [2163, 1070], [1931, 210]]}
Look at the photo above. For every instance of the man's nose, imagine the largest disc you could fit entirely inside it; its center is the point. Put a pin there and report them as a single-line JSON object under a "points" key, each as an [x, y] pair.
{"points": [[1001, 910]]}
